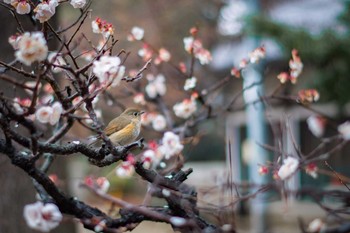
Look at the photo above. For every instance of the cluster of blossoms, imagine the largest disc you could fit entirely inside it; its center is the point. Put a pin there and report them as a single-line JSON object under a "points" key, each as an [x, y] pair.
{"points": [[44, 10], [146, 53], [186, 108], [195, 47], [257, 54], [295, 66], [254, 57], [288, 168], [100, 26], [170, 146], [156, 86], [157, 121], [108, 70], [42, 217], [308, 96], [101, 184], [30, 47], [49, 114]]}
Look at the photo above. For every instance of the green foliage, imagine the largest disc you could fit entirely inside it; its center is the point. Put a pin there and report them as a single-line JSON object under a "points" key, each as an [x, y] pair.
{"points": [[326, 55]]}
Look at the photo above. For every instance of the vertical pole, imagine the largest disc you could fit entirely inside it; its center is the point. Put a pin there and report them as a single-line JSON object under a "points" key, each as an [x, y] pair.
{"points": [[256, 130]]}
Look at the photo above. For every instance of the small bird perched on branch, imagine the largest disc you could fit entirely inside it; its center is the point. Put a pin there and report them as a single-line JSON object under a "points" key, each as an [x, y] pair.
{"points": [[125, 128]]}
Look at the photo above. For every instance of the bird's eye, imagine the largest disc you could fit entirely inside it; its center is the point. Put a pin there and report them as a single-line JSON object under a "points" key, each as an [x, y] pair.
{"points": [[135, 114]]}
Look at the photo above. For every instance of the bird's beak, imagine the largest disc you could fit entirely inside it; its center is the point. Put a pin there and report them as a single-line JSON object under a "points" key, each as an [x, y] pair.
{"points": [[141, 112]]}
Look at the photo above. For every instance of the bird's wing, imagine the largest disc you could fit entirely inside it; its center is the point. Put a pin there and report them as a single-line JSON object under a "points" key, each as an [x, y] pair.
{"points": [[113, 126]]}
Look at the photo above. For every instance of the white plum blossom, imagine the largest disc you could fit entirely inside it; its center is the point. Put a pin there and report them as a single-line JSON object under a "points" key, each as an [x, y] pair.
{"points": [[185, 109], [45, 10], [156, 86], [22, 7], [42, 217], [125, 170], [195, 46], [171, 145], [190, 83], [57, 60], [31, 47], [315, 225], [78, 3], [290, 165], [108, 70], [257, 54], [136, 34], [139, 98], [48, 114], [344, 130], [159, 123], [316, 125]]}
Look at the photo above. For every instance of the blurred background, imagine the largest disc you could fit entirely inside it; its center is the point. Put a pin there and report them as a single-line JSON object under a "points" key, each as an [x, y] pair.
{"points": [[230, 29]]}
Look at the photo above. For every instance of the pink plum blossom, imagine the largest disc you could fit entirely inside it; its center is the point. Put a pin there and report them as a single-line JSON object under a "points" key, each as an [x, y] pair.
{"points": [[42, 217]]}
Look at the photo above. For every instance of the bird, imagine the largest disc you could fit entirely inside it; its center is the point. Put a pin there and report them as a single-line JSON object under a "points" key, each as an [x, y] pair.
{"points": [[125, 128]]}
